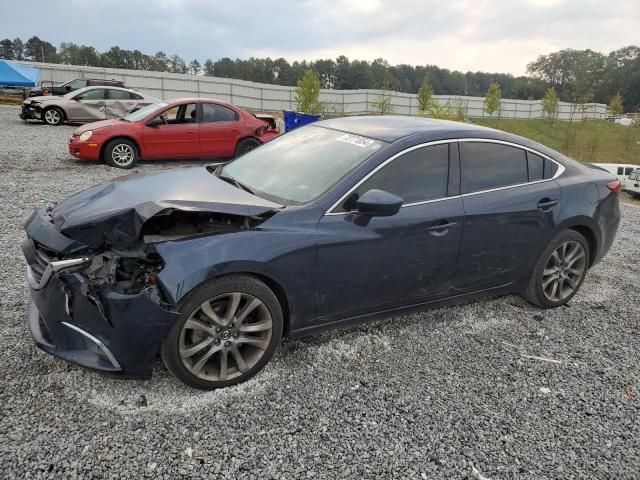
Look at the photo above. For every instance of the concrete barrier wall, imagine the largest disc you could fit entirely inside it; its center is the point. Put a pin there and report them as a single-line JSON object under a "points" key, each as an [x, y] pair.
{"points": [[262, 97]]}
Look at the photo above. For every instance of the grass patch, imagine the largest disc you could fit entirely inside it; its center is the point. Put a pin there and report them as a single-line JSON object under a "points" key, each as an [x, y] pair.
{"points": [[587, 141]]}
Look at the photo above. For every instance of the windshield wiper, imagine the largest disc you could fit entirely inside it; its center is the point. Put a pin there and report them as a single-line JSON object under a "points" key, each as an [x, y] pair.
{"points": [[232, 181]]}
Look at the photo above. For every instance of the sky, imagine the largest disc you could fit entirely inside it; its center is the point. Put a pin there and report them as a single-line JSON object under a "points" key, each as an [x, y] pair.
{"points": [[477, 35]]}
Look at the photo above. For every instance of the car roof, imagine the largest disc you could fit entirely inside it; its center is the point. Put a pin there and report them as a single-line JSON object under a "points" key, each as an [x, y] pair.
{"points": [[390, 128], [110, 87], [201, 100]]}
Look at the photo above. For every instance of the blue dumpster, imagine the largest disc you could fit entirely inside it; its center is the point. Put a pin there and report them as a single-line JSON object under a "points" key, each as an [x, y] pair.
{"points": [[293, 120]]}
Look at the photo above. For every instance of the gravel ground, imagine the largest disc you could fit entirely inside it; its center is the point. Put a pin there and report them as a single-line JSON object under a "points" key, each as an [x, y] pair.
{"points": [[440, 394]]}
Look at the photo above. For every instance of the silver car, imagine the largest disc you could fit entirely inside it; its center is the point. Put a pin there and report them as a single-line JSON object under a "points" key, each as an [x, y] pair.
{"points": [[88, 104]]}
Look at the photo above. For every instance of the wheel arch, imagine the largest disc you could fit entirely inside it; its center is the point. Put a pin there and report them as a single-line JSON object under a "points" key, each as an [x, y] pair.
{"points": [[591, 238], [116, 137]]}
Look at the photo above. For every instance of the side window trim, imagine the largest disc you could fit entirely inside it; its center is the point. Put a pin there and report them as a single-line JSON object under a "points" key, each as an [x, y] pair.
{"points": [[559, 171]]}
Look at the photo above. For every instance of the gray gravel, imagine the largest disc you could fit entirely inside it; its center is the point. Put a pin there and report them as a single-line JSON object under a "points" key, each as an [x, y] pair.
{"points": [[430, 395]]}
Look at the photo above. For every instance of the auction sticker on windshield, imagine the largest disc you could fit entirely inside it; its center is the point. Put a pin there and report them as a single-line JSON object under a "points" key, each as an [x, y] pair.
{"points": [[356, 140]]}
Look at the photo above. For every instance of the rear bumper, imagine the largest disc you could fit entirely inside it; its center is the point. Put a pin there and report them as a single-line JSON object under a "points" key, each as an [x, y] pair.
{"points": [[85, 150]]}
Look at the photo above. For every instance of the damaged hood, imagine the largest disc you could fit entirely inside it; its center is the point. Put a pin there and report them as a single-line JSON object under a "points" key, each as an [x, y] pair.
{"points": [[115, 211]]}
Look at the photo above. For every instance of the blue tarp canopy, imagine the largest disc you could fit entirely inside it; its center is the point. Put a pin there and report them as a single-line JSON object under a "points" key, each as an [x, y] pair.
{"points": [[15, 75]]}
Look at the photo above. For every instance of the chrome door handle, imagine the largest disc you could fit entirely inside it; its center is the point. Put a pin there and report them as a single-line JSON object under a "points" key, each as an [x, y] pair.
{"points": [[442, 228]]}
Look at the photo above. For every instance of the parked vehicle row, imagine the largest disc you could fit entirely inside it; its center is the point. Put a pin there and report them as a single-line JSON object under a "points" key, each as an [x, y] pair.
{"points": [[335, 222], [620, 170]]}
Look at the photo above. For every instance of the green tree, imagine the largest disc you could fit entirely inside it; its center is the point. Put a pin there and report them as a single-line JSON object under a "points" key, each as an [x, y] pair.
{"points": [[208, 67], [6, 49], [194, 67], [18, 49], [493, 100], [382, 103], [425, 97], [40, 51], [307, 95], [616, 106], [550, 104]]}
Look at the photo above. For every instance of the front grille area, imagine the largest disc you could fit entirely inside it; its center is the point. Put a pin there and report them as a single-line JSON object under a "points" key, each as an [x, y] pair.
{"points": [[40, 261]]}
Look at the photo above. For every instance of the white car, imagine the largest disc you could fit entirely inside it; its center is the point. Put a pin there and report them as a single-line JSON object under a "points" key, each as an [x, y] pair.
{"points": [[621, 170], [632, 183]]}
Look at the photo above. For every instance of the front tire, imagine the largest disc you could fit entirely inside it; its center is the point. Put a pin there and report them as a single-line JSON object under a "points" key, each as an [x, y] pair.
{"points": [[246, 145], [53, 116], [228, 330], [121, 153], [560, 271]]}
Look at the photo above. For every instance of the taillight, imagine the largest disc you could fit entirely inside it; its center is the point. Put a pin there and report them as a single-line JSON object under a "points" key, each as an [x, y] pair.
{"points": [[615, 186]]}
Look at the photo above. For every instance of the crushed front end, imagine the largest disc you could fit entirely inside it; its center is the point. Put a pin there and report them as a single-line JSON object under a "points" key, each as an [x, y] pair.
{"points": [[100, 309]]}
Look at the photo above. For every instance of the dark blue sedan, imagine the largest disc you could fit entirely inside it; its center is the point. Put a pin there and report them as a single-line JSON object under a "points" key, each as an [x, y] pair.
{"points": [[337, 222]]}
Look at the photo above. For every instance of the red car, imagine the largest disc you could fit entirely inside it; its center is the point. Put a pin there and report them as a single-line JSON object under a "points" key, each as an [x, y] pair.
{"points": [[185, 128]]}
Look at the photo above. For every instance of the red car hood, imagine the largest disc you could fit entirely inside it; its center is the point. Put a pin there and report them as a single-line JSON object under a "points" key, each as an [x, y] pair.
{"points": [[96, 125]]}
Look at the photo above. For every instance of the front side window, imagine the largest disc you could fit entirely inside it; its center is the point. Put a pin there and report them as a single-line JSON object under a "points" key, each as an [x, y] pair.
{"points": [[416, 176], [491, 165], [212, 112], [181, 114], [94, 94], [298, 167], [620, 171]]}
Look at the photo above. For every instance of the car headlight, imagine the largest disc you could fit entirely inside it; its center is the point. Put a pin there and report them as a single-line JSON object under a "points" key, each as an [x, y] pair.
{"points": [[86, 136]]}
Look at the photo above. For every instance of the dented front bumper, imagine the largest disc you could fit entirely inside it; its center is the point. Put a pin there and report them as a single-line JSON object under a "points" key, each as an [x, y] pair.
{"points": [[109, 331]]}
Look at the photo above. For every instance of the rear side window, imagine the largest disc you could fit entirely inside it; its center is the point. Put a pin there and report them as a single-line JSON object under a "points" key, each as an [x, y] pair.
{"points": [[620, 171], [491, 165], [540, 168], [119, 95], [416, 176], [217, 113]]}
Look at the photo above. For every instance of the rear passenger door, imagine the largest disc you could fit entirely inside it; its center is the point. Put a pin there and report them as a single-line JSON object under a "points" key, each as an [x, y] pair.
{"points": [[119, 103], [511, 207], [219, 130]]}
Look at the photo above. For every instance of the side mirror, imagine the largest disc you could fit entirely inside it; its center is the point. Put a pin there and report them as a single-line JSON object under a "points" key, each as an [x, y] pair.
{"points": [[155, 122], [378, 203]]}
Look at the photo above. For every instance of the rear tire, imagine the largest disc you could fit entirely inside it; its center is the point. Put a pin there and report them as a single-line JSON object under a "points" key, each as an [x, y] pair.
{"points": [[228, 330], [121, 153], [53, 116], [560, 271], [246, 145]]}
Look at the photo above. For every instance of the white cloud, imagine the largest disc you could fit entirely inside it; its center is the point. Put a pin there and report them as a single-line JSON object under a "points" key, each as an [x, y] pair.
{"points": [[496, 35]]}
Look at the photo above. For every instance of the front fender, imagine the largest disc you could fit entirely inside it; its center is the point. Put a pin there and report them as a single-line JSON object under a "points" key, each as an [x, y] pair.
{"points": [[285, 257]]}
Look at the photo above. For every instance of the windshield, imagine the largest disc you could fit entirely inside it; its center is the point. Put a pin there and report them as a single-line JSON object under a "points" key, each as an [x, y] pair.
{"points": [[301, 165], [144, 111]]}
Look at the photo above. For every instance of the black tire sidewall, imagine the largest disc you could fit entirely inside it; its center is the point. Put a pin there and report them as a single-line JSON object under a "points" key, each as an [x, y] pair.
{"points": [[241, 148], [108, 152], [536, 287], [210, 289], [44, 118]]}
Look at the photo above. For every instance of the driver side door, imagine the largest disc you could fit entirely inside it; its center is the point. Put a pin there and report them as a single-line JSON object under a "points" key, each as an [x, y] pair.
{"points": [[178, 137], [369, 264]]}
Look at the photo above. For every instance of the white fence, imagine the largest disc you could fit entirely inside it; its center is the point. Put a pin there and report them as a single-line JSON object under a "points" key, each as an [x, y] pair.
{"points": [[261, 97]]}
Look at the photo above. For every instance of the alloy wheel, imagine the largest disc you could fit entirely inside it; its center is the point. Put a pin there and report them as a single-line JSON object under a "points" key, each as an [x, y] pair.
{"points": [[122, 154], [564, 271], [52, 116], [225, 336]]}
